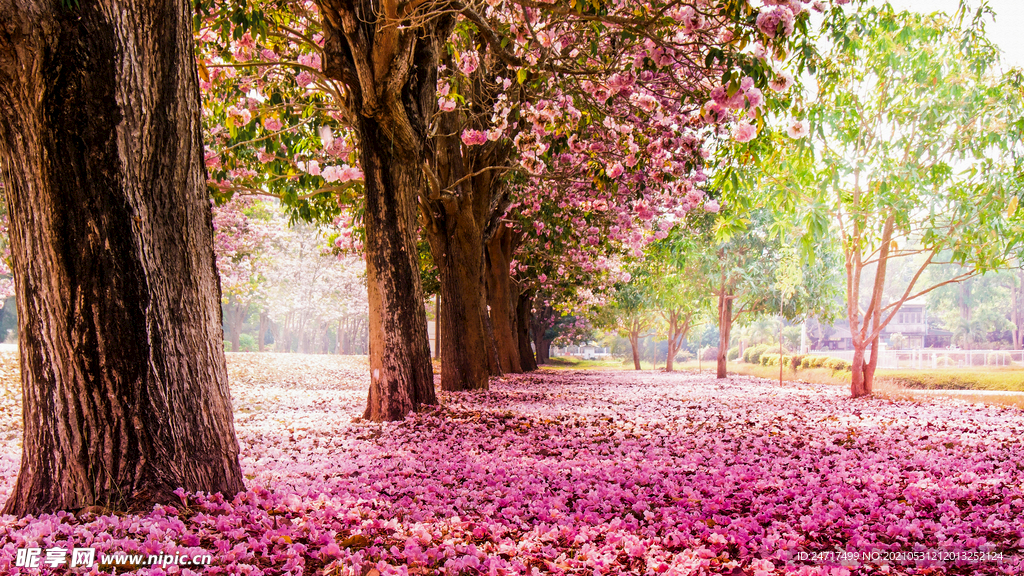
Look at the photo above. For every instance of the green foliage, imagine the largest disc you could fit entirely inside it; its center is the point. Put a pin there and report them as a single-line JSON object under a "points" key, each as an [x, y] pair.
{"points": [[836, 364], [796, 361], [953, 379], [247, 343], [999, 359], [752, 355], [733, 353]]}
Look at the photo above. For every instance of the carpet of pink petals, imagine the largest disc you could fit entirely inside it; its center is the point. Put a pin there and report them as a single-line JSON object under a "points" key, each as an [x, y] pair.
{"points": [[565, 472]]}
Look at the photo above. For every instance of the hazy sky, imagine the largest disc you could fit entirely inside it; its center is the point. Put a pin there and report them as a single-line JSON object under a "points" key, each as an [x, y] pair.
{"points": [[1007, 31]]}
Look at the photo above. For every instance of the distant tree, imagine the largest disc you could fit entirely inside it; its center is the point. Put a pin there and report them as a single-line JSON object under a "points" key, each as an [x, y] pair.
{"points": [[917, 154], [631, 313]]}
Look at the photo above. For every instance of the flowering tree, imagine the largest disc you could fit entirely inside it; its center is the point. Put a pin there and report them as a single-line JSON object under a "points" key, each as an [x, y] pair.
{"points": [[244, 230], [472, 85]]}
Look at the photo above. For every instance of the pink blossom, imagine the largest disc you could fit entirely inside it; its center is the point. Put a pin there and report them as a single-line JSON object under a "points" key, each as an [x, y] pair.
{"points": [[272, 124], [798, 129], [744, 132], [469, 62], [781, 82], [446, 104], [615, 170], [712, 206], [472, 137], [770, 20]]}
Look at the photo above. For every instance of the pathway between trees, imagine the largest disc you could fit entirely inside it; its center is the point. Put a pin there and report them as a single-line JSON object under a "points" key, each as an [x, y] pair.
{"points": [[582, 473]]}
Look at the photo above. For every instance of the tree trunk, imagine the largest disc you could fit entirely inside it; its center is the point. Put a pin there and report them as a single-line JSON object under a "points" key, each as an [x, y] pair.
{"points": [[264, 321], [390, 71], [122, 359], [634, 342], [524, 318], [437, 324], [402, 377], [859, 382], [540, 324], [457, 249], [499, 298], [236, 318], [725, 319]]}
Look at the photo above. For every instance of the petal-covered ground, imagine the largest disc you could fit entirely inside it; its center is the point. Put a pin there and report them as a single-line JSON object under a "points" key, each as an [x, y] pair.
{"points": [[580, 473]]}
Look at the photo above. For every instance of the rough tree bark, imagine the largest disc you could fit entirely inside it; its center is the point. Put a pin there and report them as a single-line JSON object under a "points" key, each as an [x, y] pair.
{"points": [[524, 318], [539, 324], [456, 212], [499, 297], [390, 74], [466, 196], [122, 360]]}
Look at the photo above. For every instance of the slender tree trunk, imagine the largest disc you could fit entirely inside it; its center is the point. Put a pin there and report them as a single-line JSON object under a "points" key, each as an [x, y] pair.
{"points": [[122, 359], [670, 352], [499, 298], [725, 319], [437, 324], [264, 321], [634, 343], [859, 379], [524, 318]]}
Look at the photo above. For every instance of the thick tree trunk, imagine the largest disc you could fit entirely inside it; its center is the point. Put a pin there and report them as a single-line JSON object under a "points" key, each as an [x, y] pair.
{"points": [[524, 318], [457, 250], [725, 319], [122, 360], [401, 375], [540, 322], [390, 72], [499, 298]]}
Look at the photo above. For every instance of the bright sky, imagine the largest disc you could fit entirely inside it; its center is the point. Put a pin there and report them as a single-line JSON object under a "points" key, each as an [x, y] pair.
{"points": [[1007, 31]]}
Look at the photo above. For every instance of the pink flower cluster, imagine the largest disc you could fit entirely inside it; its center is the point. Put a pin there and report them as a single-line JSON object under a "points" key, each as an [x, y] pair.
{"points": [[581, 473]]}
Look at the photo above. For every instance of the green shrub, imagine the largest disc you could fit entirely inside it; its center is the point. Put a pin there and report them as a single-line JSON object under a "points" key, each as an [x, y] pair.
{"points": [[819, 361], [999, 359], [753, 354], [769, 359], [944, 361], [733, 353], [247, 343], [837, 364], [807, 361], [796, 361]]}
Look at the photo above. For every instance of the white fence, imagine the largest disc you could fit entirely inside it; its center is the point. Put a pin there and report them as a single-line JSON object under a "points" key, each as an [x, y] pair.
{"points": [[934, 358]]}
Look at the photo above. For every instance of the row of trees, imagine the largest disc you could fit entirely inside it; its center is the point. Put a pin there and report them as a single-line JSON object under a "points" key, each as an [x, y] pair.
{"points": [[303, 291], [905, 147], [105, 176]]}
